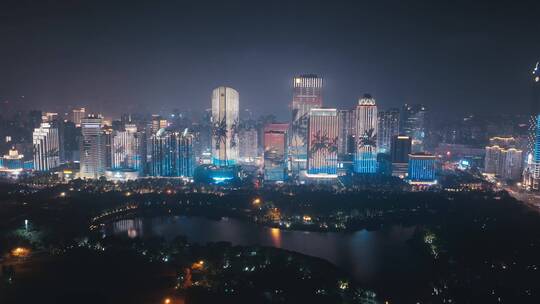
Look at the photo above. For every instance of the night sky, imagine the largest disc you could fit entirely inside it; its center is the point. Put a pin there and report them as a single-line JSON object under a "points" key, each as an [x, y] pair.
{"points": [[454, 56]]}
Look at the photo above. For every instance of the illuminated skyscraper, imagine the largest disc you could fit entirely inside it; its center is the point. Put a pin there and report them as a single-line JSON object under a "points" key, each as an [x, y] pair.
{"points": [[225, 105], [172, 154], [322, 142], [307, 95], [275, 145], [531, 173], [365, 158], [126, 148], [78, 115], [388, 128], [185, 158], [92, 148], [413, 124], [163, 143], [46, 147], [536, 89], [155, 124], [107, 137]]}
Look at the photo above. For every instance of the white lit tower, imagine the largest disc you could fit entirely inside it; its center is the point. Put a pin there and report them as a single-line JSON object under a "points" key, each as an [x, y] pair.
{"points": [[323, 135], [126, 148], [92, 148], [225, 106], [365, 157], [46, 147], [307, 95]]}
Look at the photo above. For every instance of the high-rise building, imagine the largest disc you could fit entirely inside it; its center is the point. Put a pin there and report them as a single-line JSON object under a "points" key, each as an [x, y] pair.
{"points": [[185, 158], [46, 147], [535, 105], [92, 148], [503, 158], [225, 106], [365, 157], [323, 133], [107, 137], [400, 148], [307, 95], [422, 169], [248, 145], [172, 154], [346, 140], [71, 142], [531, 174], [399, 155], [78, 115], [388, 128], [151, 127], [163, 143], [413, 124], [275, 149], [126, 149]]}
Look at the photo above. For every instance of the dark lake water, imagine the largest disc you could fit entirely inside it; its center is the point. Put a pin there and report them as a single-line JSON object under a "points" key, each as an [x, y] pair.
{"points": [[382, 259]]}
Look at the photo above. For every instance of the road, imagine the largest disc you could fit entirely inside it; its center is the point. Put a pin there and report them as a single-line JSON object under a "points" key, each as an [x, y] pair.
{"points": [[531, 199]]}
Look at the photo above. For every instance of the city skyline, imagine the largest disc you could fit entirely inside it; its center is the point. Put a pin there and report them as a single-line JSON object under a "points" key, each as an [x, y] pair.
{"points": [[244, 151]]}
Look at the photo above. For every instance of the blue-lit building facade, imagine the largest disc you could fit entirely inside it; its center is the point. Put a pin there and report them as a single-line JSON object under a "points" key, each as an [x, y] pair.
{"points": [[531, 173], [163, 143], [12, 161], [172, 154], [185, 157], [422, 169]]}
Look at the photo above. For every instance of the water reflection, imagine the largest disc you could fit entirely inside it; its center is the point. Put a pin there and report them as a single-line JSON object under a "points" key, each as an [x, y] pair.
{"points": [[371, 256], [276, 237], [131, 227]]}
